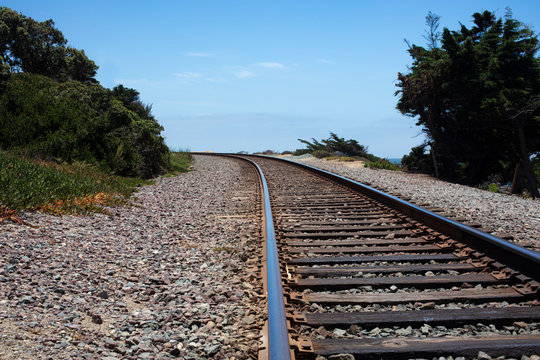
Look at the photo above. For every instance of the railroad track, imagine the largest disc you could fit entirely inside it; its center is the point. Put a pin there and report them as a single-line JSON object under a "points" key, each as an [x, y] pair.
{"points": [[354, 271]]}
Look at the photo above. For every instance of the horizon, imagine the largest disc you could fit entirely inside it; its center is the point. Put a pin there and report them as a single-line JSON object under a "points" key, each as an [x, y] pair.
{"points": [[253, 76]]}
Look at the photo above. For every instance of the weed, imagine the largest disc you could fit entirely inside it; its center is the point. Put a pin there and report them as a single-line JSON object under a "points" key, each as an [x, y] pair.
{"points": [[493, 188], [180, 162]]}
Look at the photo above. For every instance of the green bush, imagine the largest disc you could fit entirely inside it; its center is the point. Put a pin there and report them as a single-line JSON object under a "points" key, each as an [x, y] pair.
{"points": [[180, 161], [75, 121], [319, 154], [52, 106], [381, 164], [336, 145], [418, 160], [535, 162], [493, 188], [370, 157], [299, 152]]}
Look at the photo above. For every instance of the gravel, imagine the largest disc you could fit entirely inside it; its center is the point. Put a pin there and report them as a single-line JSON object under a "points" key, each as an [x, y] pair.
{"points": [[500, 214], [163, 278]]}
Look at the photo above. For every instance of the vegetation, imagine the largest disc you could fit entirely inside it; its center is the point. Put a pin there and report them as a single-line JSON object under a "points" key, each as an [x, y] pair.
{"points": [[418, 160], [341, 158], [336, 148], [67, 144], [382, 164], [59, 188], [332, 146], [299, 152], [180, 162], [536, 165], [51, 105], [320, 154], [476, 95]]}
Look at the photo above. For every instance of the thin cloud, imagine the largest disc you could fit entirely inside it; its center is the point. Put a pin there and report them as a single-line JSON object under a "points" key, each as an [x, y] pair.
{"points": [[271, 65], [200, 54], [187, 75], [216, 79], [243, 74], [323, 61]]}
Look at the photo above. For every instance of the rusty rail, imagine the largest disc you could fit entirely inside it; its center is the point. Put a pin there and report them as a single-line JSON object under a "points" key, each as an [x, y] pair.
{"points": [[338, 240], [278, 338], [525, 260]]}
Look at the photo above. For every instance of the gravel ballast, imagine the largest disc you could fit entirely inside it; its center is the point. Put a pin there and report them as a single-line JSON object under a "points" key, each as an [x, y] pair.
{"points": [[164, 278], [498, 213]]}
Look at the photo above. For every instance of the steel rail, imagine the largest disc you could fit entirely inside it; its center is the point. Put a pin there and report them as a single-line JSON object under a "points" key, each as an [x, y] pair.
{"points": [[278, 335], [522, 259], [494, 252]]}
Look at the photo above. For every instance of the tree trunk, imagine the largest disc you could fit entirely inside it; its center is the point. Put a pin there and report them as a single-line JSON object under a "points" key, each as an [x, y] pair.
{"points": [[516, 181], [434, 158], [527, 169]]}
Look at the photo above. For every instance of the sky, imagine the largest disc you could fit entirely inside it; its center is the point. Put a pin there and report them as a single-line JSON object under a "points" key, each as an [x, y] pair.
{"points": [[233, 76]]}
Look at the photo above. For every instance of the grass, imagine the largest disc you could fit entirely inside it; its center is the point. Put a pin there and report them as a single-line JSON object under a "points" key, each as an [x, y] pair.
{"points": [[341, 158], [29, 184], [180, 162]]}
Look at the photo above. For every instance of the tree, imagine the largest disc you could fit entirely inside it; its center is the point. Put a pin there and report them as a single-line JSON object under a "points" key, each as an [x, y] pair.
{"points": [[335, 144], [30, 46], [27, 45], [466, 94], [433, 34], [52, 106], [79, 67]]}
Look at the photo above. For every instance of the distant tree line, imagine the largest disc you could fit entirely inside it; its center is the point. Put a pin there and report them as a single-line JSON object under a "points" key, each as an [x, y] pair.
{"points": [[475, 93], [52, 106]]}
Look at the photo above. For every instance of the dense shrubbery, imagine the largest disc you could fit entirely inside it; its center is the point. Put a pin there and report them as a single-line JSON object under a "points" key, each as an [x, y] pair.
{"points": [[319, 154], [73, 121], [381, 164], [299, 152], [418, 160], [536, 166], [52, 107]]}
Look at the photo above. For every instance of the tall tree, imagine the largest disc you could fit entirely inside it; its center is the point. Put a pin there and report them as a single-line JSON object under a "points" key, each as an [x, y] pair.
{"points": [[467, 93], [31, 46], [79, 67]]}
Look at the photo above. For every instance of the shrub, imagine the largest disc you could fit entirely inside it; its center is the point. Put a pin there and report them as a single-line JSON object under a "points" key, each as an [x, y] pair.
{"points": [[535, 162], [75, 121], [336, 145], [493, 188], [299, 152], [381, 164], [418, 160], [319, 154]]}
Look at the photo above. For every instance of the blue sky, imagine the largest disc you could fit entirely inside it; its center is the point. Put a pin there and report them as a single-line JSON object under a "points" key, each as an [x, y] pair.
{"points": [[254, 75]]}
